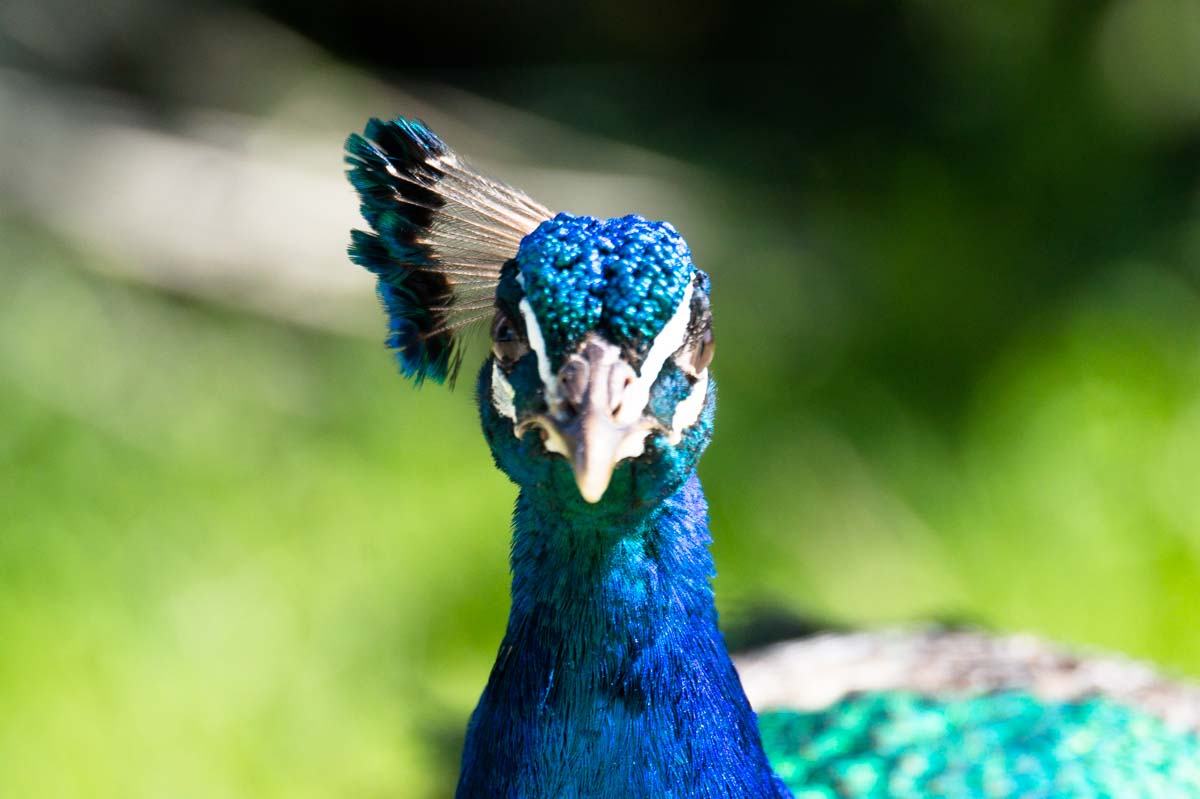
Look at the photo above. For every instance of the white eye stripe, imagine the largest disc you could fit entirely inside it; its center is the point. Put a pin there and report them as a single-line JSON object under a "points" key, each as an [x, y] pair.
{"points": [[665, 344], [537, 343]]}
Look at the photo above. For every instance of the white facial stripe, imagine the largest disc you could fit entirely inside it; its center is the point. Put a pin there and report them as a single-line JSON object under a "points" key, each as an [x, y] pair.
{"points": [[503, 394], [538, 344], [666, 343], [631, 446], [688, 410]]}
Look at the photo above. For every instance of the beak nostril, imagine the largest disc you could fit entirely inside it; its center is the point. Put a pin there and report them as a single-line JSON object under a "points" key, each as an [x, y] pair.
{"points": [[620, 379], [572, 381]]}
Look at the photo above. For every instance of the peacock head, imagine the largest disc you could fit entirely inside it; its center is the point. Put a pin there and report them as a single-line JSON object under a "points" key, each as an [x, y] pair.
{"points": [[598, 376], [596, 393]]}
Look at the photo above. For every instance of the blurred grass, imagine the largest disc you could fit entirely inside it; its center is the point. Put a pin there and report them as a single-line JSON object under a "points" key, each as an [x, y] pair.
{"points": [[229, 548], [240, 558]]}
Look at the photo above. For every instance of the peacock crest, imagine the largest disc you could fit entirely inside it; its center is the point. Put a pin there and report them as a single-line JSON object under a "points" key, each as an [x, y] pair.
{"points": [[441, 232]]}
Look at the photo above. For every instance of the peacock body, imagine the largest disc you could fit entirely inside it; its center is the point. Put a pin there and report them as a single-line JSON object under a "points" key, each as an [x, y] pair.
{"points": [[613, 679]]}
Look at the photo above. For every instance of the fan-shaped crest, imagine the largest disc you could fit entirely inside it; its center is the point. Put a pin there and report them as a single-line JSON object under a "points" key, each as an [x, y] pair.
{"points": [[441, 232]]}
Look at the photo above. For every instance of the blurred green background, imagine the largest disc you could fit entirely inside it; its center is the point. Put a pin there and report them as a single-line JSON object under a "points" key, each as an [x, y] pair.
{"points": [[956, 258]]}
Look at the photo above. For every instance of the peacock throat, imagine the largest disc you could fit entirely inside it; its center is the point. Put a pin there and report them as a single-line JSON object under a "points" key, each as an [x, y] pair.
{"points": [[613, 679]]}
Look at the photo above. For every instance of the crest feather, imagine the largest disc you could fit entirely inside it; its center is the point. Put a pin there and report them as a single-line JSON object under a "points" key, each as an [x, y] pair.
{"points": [[440, 233]]}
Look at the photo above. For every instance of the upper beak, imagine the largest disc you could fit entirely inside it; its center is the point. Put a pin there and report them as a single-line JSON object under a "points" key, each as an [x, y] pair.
{"points": [[594, 427]]}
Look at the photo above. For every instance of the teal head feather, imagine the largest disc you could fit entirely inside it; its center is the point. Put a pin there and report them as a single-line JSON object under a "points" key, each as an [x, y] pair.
{"points": [[623, 276]]}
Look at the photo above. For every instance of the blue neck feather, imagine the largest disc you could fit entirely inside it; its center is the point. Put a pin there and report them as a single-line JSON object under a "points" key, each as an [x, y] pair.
{"points": [[613, 679]]}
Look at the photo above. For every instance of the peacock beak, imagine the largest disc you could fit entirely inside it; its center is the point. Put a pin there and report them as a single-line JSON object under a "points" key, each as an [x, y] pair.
{"points": [[594, 456], [599, 420], [601, 430]]}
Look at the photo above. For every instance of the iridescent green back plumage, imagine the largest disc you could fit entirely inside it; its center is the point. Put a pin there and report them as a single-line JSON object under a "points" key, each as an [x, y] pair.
{"points": [[1007, 745]]}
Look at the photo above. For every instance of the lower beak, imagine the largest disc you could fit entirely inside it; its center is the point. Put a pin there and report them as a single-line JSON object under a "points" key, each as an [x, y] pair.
{"points": [[597, 445]]}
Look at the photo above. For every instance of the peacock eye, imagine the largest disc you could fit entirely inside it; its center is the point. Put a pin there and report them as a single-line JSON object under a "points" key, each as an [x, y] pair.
{"points": [[507, 344], [703, 354]]}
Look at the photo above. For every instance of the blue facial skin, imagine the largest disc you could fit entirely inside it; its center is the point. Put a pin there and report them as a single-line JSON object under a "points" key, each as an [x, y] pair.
{"points": [[613, 679]]}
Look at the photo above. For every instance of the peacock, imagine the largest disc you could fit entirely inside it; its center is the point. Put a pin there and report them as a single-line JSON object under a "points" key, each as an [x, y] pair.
{"points": [[613, 679]]}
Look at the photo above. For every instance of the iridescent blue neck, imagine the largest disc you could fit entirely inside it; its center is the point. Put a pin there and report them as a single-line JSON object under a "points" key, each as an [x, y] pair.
{"points": [[613, 679]]}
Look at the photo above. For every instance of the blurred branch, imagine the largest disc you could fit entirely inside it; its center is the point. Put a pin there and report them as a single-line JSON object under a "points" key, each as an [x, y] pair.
{"points": [[252, 208]]}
